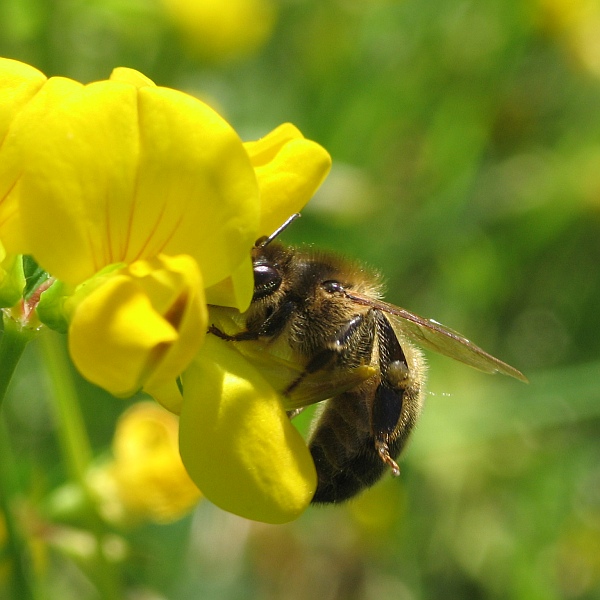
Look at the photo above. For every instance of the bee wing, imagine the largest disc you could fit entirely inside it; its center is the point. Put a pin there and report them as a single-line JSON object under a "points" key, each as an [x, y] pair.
{"points": [[320, 386], [279, 367], [434, 336]]}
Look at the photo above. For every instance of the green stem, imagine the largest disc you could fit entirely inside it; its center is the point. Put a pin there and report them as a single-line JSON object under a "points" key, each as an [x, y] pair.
{"points": [[13, 342], [22, 579], [77, 452], [72, 433]]}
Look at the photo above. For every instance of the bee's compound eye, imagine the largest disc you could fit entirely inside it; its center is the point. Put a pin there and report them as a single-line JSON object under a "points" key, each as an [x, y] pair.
{"points": [[331, 286], [266, 280]]}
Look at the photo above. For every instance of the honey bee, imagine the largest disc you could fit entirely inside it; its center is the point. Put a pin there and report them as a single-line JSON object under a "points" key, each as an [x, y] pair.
{"points": [[322, 333]]}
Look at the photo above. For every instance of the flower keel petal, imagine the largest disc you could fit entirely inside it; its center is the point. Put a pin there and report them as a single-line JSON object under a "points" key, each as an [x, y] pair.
{"points": [[141, 326], [237, 442]]}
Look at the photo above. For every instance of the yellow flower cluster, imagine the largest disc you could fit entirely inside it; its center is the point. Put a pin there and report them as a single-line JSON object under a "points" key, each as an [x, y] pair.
{"points": [[144, 204]]}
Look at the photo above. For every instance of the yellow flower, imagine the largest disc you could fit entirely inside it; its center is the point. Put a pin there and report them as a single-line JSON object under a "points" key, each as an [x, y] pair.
{"points": [[123, 172], [146, 478], [137, 198], [222, 31]]}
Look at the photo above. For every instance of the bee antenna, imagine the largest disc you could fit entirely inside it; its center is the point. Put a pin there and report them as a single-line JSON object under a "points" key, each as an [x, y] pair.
{"points": [[265, 241]]}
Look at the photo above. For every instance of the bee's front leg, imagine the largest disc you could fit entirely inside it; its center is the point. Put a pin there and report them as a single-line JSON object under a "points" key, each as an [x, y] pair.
{"points": [[238, 337], [242, 336], [269, 327]]}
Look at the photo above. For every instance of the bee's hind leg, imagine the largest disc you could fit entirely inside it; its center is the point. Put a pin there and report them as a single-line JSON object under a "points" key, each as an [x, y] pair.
{"points": [[389, 396]]}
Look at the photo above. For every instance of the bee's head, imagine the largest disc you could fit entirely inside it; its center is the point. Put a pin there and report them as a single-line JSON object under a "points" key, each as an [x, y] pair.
{"points": [[268, 261]]}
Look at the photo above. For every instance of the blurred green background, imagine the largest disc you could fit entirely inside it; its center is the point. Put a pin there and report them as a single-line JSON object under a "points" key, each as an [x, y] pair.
{"points": [[466, 144]]}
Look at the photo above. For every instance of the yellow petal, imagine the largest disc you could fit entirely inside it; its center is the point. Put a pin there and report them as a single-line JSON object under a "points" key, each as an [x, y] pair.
{"points": [[235, 291], [135, 78], [167, 394], [141, 325], [18, 84], [79, 148], [118, 171], [237, 442], [188, 313], [265, 149], [289, 169], [203, 189]]}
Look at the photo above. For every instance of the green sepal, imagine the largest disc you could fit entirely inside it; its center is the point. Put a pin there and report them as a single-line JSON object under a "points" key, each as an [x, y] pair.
{"points": [[57, 302], [12, 281], [51, 307], [35, 276]]}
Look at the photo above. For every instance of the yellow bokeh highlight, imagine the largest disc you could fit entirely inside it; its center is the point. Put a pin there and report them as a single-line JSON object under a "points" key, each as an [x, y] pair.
{"points": [[221, 31], [146, 479]]}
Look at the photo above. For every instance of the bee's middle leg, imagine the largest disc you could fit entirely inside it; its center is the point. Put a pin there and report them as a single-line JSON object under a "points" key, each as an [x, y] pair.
{"points": [[340, 348]]}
